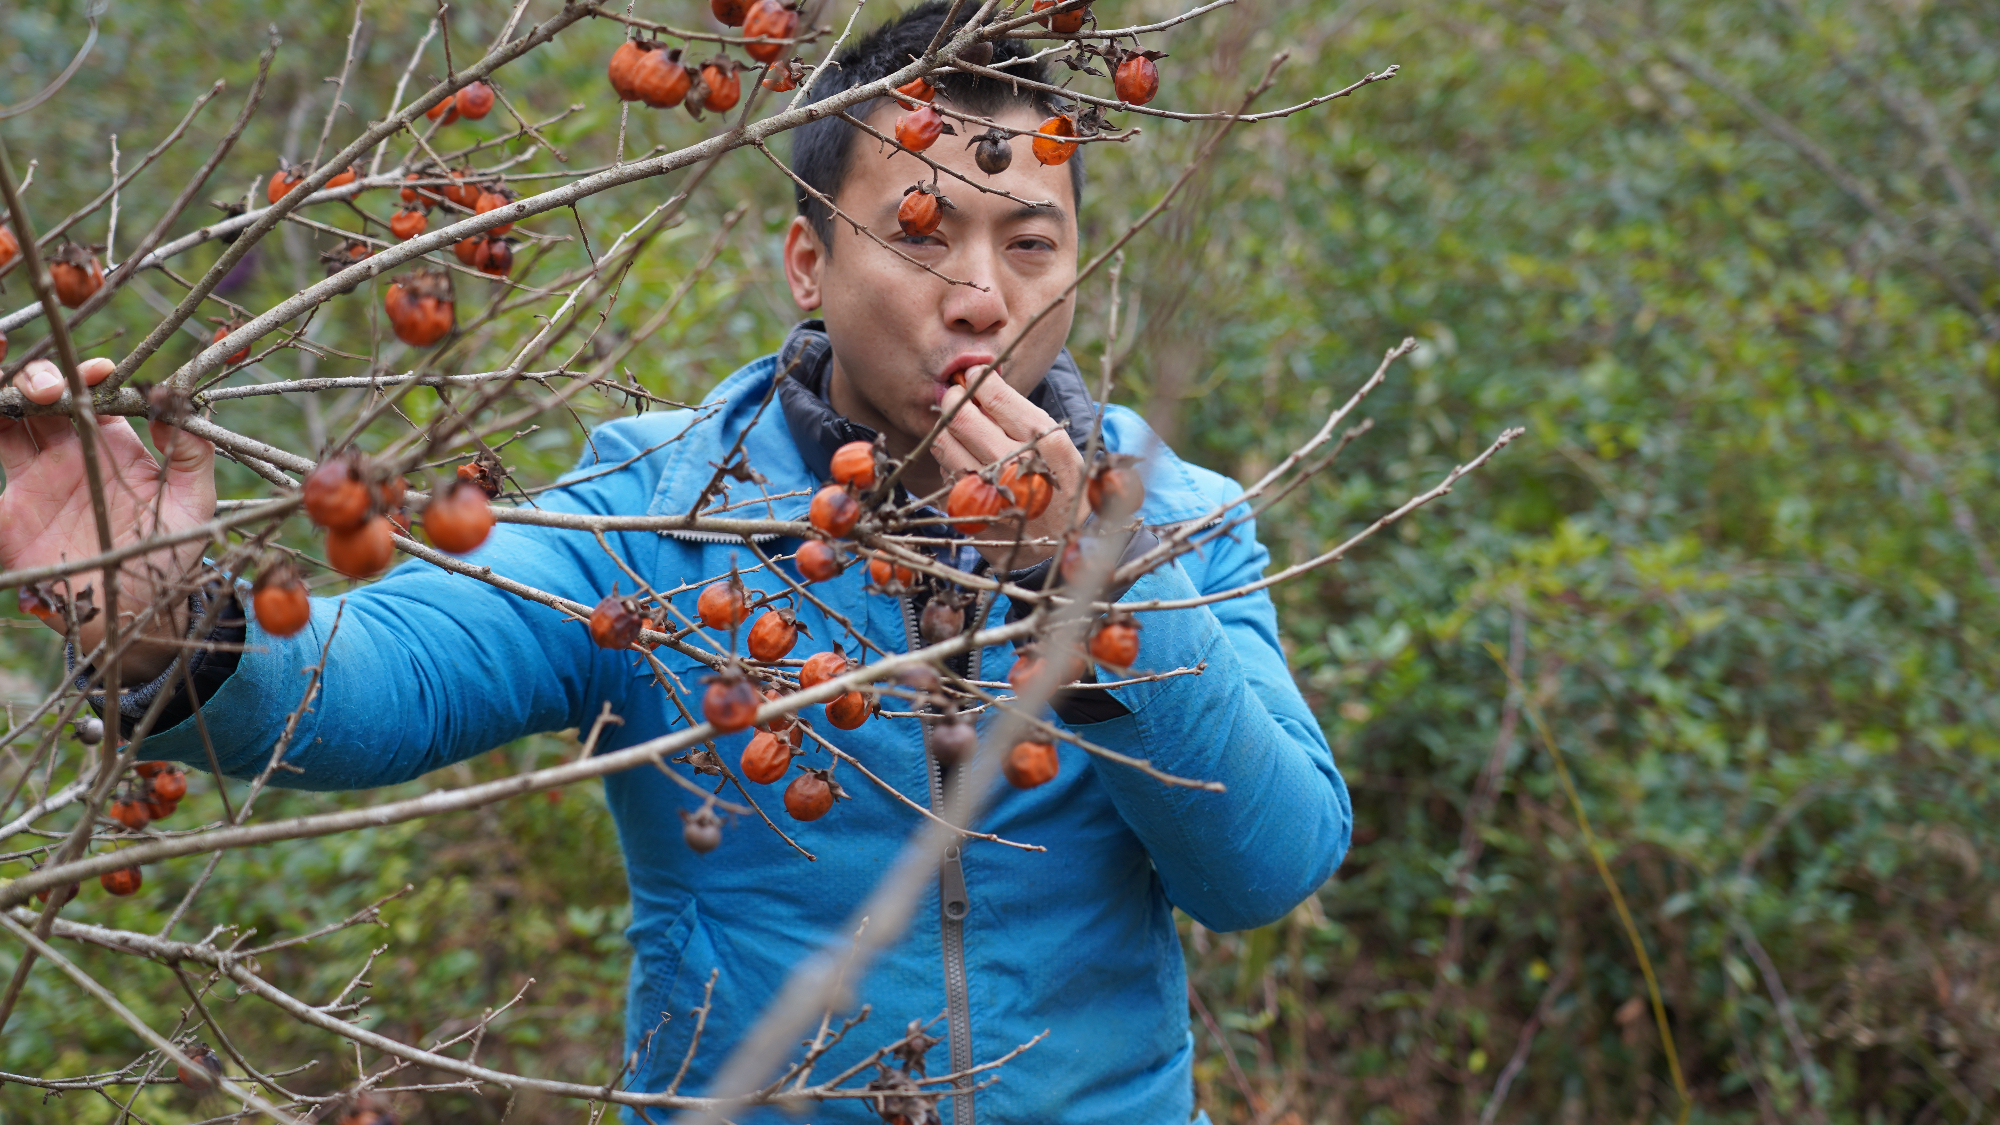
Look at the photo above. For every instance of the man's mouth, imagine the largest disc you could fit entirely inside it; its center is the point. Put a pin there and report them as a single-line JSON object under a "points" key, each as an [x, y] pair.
{"points": [[953, 373]]}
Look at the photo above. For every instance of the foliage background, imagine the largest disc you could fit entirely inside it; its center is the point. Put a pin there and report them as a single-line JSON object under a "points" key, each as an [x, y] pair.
{"points": [[1740, 563]]}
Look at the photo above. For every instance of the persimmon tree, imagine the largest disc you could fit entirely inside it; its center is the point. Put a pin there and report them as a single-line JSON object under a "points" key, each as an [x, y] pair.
{"points": [[497, 317]]}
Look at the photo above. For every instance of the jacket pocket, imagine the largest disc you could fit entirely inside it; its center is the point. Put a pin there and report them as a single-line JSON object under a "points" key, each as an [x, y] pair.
{"points": [[670, 968]]}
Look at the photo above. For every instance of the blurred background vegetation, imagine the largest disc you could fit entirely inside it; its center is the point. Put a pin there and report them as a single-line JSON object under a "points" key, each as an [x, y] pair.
{"points": [[1734, 267]]}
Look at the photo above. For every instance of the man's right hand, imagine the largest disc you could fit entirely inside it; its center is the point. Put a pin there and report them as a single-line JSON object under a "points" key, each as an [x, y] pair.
{"points": [[46, 515]]}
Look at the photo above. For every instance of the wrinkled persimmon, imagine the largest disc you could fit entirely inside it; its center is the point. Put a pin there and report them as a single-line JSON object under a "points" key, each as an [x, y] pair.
{"points": [[203, 1074], [1030, 486], [773, 635], [834, 510], [363, 551], [882, 571], [1115, 483], [722, 604], [279, 600], [75, 274], [419, 306], [777, 724], [854, 465], [724, 86], [919, 129], [1031, 763], [730, 703], [1049, 146], [766, 759], [335, 496], [1137, 79], [474, 100], [973, 503], [615, 623], [809, 796], [1067, 22], [170, 785], [818, 561], [408, 223], [222, 332], [921, 213], [821, 667], [954, 740], [459, 517], [769, 19], [1116, 643], [658, 78], [130, 812], [282, 182], [492, 199], [848, 711]]}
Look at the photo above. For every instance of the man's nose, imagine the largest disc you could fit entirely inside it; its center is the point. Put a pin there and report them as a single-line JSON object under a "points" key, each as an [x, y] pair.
{"points": [[979, 309]]}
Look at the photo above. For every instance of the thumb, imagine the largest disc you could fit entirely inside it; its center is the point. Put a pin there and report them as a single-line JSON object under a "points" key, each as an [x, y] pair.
{"points": [[190, 463]]}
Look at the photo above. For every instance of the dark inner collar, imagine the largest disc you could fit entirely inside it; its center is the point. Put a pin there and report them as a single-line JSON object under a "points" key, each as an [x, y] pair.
{"points": [[817, 429]]}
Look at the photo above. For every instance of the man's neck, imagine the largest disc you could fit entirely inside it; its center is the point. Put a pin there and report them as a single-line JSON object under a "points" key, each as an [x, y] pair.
{"points": [[923, 477]]}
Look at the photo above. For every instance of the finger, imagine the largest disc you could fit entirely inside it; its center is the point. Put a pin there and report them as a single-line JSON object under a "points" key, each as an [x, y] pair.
{"points": [[41, 382], [1010, 409], [20, 442], [95, 369], [1022, 420], [977, 433], [952, 457], [190, 470], [184, 452]]}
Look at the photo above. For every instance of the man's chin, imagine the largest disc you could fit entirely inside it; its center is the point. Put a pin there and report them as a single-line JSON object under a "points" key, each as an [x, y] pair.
{"points": [[918, 422]]}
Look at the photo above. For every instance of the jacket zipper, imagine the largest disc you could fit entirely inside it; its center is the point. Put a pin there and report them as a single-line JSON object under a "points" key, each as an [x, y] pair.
{"points": [[954, 903]]}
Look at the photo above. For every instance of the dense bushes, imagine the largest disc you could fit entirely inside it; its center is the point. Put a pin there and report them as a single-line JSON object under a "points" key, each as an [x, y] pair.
{"points": [[1741, 560]]}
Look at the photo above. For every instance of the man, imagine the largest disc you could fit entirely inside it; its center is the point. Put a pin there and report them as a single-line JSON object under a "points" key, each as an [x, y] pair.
{"points": [[427, 668]]}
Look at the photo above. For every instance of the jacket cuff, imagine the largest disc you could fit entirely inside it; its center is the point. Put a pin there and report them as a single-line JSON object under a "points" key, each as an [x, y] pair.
{"points": [[1080, 707], [1043, 574], [207, 666]]}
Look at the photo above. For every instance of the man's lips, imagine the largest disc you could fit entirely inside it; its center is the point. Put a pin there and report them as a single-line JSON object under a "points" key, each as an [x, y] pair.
{"points": [[954, 372]]}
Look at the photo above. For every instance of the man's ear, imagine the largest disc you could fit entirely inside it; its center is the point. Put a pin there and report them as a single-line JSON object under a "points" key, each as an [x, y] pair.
{"points": [[805, 262]]}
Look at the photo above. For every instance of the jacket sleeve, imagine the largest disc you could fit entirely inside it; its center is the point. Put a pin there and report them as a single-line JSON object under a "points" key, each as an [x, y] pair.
{"points": [[425, 667], [1241, 858]]}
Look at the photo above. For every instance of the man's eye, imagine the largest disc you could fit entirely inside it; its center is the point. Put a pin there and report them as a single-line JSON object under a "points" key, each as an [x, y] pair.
{"points": [[919, 240], [1033, 244]]}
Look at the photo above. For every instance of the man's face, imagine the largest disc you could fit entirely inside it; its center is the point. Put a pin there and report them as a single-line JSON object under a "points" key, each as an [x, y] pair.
{"points": [[900, 333]]}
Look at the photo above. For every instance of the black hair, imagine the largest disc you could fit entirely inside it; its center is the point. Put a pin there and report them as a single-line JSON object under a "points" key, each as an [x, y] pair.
{"points": [[820, 149]]}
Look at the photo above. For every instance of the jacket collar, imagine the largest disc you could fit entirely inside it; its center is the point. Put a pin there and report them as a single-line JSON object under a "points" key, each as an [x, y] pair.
{"points": [[818, 429]]}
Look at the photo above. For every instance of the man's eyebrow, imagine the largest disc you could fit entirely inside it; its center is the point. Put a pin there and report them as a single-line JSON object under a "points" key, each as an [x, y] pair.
{"points": [[1037, 211]]}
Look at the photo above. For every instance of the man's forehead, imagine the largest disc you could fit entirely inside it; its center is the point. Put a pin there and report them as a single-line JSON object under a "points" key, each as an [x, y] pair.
{"points": [[952, 152], [1017, 115]]}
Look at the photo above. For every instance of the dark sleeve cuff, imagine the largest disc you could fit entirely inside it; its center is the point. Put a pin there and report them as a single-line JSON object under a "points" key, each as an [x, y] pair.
{"points": [[1081, 706], [207, 667], [1043, 574]]}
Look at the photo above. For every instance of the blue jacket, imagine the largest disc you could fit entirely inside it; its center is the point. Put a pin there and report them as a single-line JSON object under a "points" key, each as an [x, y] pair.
{"points": [[429, 668]]}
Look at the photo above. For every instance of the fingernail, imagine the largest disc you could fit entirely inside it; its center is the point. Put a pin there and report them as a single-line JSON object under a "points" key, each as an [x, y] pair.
{"points": [[41, 380]]}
